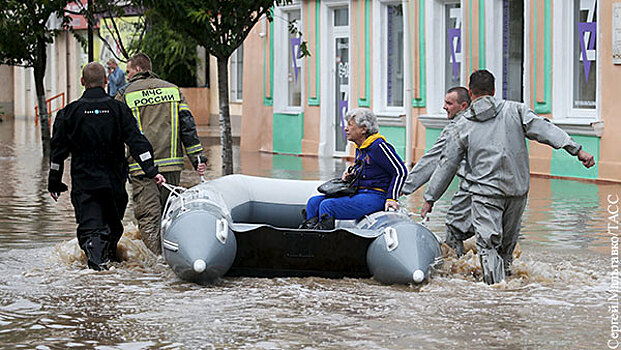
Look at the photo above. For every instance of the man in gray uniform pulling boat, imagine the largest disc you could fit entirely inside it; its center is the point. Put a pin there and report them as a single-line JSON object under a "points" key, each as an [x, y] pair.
{"points": [[491, 138], [458, 222]]}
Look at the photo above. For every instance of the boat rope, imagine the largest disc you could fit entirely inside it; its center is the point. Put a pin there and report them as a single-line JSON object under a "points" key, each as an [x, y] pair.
{"points": [[174, 190], [425, 221]]}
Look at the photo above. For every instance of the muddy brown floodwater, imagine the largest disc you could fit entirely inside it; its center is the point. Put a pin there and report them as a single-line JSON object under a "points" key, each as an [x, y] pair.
{"points": [[561, 295]]}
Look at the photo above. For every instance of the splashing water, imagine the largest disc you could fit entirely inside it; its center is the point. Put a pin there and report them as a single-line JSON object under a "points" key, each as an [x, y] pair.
{"points": [[524, 271], [557, 297], [131, 250]]}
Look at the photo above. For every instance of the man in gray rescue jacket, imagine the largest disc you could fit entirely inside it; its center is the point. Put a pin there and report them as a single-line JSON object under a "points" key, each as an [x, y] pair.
{"points": [[491, 138], [458, 222]]}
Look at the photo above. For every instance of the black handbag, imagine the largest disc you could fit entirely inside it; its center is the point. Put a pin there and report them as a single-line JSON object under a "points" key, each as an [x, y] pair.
{"points": [[338, 188]]}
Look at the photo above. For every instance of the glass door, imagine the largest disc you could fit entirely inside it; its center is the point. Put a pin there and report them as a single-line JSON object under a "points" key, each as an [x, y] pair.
{"points": [[341, 88], [340, 76]]}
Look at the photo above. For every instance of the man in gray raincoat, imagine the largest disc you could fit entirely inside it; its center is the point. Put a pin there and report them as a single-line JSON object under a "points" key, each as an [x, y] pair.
{"points": [[458, 223], [491, 138]]}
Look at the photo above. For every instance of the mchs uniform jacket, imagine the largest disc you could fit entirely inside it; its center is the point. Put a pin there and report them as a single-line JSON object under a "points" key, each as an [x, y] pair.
{"points": [[165, 119]]}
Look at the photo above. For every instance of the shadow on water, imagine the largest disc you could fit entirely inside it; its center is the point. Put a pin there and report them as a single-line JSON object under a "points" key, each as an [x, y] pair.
{"points": [[49, 300]]}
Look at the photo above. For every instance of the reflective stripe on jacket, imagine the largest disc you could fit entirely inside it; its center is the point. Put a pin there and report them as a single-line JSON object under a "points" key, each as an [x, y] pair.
{"points": [[163, 116]]}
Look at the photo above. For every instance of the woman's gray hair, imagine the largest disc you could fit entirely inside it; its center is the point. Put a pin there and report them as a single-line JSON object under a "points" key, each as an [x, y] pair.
{"points": [[364, 117]]}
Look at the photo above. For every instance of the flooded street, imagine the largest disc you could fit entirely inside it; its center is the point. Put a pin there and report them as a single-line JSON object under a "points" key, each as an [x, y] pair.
{"points": [[557, 298]]}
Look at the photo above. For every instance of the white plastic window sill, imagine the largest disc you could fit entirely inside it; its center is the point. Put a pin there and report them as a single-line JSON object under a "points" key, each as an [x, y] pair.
{"points": [[586, 127], [583, 126], [291, 110], [390, 118], [433, 121]]}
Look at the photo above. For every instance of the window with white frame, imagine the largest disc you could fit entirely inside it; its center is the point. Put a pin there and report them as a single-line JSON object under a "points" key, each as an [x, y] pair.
{"points": [[506, 60], [393, 52], [294, 77], [575, 61], [452, 45], [443, 55], [585, 53], [388, 87], [237, 74], [288, 73]]}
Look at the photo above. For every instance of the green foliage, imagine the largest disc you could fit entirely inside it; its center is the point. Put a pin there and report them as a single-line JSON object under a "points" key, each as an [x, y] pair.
{"points": [[173, 54], [293, 29], [25, 27], [110, 14], [219, 26]]}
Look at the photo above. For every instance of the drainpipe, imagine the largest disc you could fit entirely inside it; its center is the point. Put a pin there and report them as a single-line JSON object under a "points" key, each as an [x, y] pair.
{"points": [[91, 49], [68, 66], [407, 82]]}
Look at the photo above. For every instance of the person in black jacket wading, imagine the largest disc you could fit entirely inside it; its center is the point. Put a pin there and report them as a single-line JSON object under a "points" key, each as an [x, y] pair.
{"points": [[94, 130]]}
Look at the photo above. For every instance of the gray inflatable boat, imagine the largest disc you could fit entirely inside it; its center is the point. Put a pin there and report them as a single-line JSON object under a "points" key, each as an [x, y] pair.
{"points": [[241, 225]]}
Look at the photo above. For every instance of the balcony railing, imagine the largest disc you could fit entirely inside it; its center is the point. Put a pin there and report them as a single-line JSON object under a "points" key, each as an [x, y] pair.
{"points": [[59, 98]]}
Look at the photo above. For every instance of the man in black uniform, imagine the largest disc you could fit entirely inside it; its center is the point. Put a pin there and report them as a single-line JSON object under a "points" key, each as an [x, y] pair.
{"points": [[94, 130]]}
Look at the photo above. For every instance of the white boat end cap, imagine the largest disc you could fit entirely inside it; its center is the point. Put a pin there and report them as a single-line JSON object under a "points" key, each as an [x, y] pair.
{"points": [[418, 276], [200, 266]]}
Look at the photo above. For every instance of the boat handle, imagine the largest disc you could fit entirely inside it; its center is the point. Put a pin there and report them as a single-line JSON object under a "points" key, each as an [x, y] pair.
{"points": [[390, 236], [222, 230]]}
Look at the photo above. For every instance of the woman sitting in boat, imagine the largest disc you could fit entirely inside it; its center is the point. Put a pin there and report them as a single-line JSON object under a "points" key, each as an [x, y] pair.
{"points": [[379, 174]]}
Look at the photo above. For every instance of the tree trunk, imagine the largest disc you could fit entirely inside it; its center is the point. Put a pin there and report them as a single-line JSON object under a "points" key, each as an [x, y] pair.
{"points": [[39, 75], [226, 139]]}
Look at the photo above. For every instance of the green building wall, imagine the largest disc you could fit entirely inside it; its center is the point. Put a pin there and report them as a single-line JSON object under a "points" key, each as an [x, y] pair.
{"points": [[288, 133]]}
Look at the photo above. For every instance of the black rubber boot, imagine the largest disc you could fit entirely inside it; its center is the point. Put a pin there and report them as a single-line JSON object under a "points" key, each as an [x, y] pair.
{"points": [[326, 223], [309, 224], [97, 250], [492, 266]]}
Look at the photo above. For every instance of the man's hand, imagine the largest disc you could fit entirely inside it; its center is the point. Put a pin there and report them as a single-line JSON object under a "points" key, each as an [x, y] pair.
{"points": [[345, 175], [426, 209], [201, 165], [201, 168], [586, 158], [55, 188], [390, 204], [159, 179]]}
